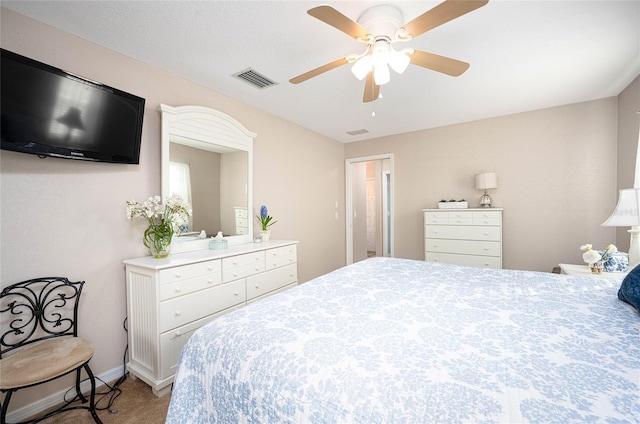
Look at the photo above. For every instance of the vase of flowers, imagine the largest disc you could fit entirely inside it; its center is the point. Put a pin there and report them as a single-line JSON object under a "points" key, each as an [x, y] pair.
{"points": [[265, 222], [596, 259], [164, 221]]}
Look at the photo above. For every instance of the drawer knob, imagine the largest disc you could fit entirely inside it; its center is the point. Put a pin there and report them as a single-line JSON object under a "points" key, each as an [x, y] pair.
{"points": [[486, 234], [291, 274], [257, 268], [274, 254], [177, 275], [210, 268], [210, 281], [235, 275], [235, 293], [177, 289], [178, 334], [486, 248], [178, 313], [235, 262], [257, 286], [257, 258]]}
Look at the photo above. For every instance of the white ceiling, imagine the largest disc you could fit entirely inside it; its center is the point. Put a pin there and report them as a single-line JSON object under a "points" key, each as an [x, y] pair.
{"points": [[524, 55]]}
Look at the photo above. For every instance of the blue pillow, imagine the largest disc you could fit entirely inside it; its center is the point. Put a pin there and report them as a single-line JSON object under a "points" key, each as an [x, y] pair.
{"points": [[630, 288]]}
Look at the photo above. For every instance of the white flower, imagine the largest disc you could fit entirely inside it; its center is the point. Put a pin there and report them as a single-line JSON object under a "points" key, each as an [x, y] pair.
{"points": [[591, 256], [175, 211], [586, 247]]}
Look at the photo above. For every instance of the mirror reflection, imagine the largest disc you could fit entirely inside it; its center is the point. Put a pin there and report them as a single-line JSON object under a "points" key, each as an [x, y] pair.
{"points": [[214, 183]]}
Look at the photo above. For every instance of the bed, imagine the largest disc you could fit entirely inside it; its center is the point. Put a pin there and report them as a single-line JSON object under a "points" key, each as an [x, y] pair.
{"points": [[402, 341]]}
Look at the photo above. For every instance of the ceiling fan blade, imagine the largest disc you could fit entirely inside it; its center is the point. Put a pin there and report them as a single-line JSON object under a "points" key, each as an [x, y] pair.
{"points": [[442, 13], [331, 16], [371, 90], [317, 71], [435, 62]]}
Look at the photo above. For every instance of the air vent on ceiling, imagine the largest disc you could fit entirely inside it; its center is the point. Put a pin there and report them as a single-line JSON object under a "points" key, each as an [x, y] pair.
{"points": [[357, 132], [254, 78]]}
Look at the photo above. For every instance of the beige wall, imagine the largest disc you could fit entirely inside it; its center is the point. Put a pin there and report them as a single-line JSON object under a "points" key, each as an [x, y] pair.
{"points": [[556, 174], [628, 137], [64, 217]]}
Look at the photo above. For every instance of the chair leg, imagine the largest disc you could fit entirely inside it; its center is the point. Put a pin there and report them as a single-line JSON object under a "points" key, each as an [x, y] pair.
{"points": [[92, 398], [78, 391], [5, 406]]}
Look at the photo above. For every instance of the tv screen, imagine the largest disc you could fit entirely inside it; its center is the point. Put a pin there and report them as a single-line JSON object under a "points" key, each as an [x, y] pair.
{"points": [[49, 112]]}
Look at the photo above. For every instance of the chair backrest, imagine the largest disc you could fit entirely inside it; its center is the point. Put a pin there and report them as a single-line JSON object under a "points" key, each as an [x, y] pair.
{"points": [[38, 309]]}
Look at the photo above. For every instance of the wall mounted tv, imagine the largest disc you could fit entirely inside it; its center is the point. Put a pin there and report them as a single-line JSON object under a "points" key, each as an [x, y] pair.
{"points": [[49, 112]]}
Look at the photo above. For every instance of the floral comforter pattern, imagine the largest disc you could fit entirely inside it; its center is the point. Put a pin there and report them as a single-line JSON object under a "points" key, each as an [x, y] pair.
{"points": [[402, 341]]}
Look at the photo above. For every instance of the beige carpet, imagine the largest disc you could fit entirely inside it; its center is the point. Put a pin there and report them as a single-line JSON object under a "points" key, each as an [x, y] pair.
{"points": [[135, 405]]}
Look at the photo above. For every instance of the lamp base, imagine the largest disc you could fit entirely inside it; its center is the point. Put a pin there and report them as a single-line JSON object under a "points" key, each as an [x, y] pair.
{"points": [[634, 247], [485, 200]]}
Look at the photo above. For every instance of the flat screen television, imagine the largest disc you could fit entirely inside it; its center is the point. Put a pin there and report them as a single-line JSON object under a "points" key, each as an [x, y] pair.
{"points": [[49, 112]]}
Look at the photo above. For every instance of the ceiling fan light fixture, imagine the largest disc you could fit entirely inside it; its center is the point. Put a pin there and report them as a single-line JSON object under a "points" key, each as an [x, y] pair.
{"points": [[381, 74], [398, 61], [362, 67]]}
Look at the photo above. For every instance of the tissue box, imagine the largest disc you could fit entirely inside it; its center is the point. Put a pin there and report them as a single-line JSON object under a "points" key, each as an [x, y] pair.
{"points": [[217, 244]]}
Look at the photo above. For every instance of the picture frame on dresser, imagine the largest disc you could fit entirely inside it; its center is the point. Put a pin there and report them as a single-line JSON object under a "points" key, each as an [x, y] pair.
{"points": [[471, 237]]}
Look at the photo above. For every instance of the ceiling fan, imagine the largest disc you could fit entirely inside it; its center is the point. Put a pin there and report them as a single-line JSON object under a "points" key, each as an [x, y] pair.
{"points": [[379, 27]]}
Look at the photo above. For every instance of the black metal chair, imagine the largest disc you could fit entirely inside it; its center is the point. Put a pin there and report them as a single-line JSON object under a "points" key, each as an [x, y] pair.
{"points": [[39, 340]]}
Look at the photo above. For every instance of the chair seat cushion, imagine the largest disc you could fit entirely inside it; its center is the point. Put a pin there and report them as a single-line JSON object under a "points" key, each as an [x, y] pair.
{"points": [[43, 361]]}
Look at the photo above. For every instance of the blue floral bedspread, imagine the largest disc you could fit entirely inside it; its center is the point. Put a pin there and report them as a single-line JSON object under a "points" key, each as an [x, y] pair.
{"points": [[402, 341]]}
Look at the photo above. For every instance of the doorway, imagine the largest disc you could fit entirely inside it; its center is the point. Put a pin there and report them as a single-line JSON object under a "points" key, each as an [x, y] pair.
{"points": [[369, 207]]}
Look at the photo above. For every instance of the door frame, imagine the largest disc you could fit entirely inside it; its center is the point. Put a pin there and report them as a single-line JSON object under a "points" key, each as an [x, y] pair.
{"points": [[349, 201]]}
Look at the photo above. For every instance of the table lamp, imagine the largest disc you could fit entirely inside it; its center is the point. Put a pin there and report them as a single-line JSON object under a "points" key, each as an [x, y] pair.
{"points": [[626, 215], [486, 181]]}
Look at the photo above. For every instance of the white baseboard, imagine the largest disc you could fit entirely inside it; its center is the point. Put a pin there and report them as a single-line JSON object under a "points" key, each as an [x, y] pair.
{"points": [[53, 400]]}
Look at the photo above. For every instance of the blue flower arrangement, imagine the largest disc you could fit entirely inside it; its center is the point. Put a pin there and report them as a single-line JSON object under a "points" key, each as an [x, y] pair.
{"points": [[264, 218]]}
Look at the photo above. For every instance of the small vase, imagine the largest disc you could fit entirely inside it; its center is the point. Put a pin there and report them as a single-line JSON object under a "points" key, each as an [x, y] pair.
{"points": [[597, 267], [265, 235], [157, 238]]}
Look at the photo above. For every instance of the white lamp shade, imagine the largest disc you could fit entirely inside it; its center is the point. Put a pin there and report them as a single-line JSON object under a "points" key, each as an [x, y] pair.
{"points": [[381, 74], [626, 211], [398, 61], [362, 67], [486, 181]]}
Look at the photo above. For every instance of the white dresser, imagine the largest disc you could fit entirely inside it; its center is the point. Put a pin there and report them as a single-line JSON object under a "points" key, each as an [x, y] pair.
{"points": [[169, 299], [242, 220], [470, 237]]}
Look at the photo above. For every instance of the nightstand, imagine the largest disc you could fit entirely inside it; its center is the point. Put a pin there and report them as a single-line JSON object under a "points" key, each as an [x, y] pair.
{"points": [[583, 271]]}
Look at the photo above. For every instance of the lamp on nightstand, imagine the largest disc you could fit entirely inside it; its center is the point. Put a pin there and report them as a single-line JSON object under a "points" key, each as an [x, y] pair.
{"points": [[626, 215], [486, 181]]}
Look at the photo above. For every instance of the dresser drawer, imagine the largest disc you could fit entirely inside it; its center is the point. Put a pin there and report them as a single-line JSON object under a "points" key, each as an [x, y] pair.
{"points": [[242, 266], [242, 222], [280, 256], [460, 218], [436, 218], [487, 218], [258, 285], [462, 232], [466, 260], [241, 213], [182, 287], [184, 309], [465, 247], [242, 260], [185, 272]]}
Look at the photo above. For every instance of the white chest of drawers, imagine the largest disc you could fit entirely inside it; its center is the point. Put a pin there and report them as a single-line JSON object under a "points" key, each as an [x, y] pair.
{"points": [[470, 237], [169, 299]]}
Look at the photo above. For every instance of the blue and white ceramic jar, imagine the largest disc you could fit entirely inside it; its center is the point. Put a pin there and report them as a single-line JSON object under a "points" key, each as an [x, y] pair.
{"points": [[618, 262]]}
